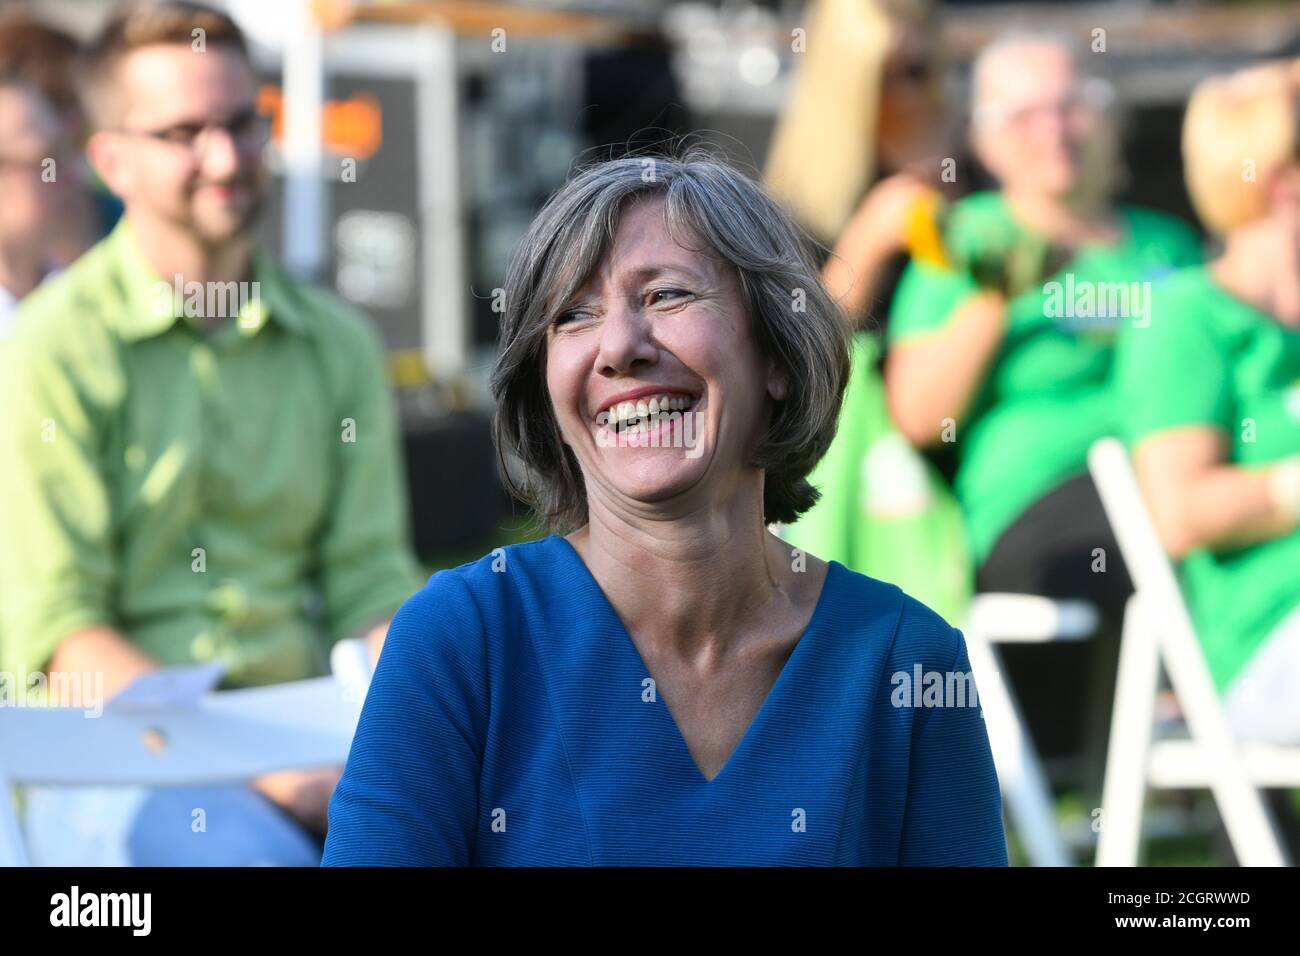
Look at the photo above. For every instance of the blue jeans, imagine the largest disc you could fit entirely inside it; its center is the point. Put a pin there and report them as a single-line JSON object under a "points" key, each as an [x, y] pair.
{"points": [[211, 825]]}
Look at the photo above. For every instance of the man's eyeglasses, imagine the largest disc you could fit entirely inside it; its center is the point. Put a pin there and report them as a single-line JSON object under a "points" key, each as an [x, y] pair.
{"points": [[1089, 97], [249, 131]]}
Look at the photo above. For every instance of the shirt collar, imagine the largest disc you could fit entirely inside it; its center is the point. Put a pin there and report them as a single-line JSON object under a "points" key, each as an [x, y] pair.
{"points": [[152, 301]]}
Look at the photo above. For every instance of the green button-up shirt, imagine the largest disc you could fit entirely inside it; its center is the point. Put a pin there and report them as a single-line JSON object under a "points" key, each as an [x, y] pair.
{"points": [[234, 496]]}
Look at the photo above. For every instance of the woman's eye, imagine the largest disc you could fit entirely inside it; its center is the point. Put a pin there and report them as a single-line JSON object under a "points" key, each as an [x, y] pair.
{"points": [[571, 315], [668, 295]]}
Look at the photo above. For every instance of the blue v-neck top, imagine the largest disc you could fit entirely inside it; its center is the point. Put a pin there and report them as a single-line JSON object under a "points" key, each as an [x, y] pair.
{"points": [[512, 721]]}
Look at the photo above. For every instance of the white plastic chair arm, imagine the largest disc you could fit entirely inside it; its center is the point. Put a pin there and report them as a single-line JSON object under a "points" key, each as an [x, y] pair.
{"points": [[1030, 618]]}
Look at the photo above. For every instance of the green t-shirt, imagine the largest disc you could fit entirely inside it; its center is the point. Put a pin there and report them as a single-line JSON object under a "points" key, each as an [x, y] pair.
{"points": [[1210, 359], [1047, 395]]}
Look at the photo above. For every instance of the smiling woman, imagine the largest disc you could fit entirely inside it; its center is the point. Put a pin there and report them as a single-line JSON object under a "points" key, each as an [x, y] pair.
{"points": [[667, 242], [662, 680]]}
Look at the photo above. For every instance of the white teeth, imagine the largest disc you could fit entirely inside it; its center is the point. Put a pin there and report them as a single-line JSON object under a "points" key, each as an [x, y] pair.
{"points": [[639, 410]]}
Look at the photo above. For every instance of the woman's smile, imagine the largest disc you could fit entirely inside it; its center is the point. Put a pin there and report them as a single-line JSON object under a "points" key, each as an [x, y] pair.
{"points": [[651, 418]]}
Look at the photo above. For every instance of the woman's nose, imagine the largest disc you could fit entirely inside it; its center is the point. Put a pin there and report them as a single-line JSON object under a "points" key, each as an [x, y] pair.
{"points": [[625, 338]]}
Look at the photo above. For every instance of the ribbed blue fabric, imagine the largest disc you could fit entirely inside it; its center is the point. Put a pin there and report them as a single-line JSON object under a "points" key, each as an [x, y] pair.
{"points": [[510, 723]]}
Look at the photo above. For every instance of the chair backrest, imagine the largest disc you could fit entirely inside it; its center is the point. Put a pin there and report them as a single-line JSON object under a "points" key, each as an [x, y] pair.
{"points": [[1164, 609], [1164, 616], [220, 737], [1148, 564]]}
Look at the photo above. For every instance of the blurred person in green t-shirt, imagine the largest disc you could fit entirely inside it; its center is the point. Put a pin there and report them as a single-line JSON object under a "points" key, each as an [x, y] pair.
{"points": [[1005, 347], [1001, 350], [1211, 398], [860, 159]]}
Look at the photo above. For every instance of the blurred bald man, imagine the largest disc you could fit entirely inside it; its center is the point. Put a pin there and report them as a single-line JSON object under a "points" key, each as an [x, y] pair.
{"points": [[29, 133]]}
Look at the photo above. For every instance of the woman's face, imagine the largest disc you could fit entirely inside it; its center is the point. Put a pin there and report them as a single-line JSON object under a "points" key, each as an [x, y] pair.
{"points": [[909, 100], [658, 325]]}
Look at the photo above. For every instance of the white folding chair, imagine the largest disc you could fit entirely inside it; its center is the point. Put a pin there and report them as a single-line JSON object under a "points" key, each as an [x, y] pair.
{"points": [[219, 737], [994, 619], [1158, 630]]}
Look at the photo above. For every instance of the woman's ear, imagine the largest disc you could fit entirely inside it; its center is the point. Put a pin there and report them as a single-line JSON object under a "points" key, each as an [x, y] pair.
{"points": [[778, 381]]}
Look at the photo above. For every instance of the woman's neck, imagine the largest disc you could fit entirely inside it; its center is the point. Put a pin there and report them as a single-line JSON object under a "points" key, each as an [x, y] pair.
{"points": [[696, 581], [917, 153]]}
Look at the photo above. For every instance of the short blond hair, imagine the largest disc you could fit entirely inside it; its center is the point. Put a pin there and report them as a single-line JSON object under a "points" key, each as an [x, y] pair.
{"points": [[1240, 129]]}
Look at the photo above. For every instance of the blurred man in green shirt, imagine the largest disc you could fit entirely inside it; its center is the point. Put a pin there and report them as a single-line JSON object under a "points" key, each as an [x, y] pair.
{"points": [[201, 456]]}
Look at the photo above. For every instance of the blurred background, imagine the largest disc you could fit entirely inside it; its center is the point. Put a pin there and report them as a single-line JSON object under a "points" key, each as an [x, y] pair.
{"points": [[454, 147]]}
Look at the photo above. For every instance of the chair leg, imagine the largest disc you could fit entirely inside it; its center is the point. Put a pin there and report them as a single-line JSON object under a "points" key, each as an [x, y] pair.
{"points": [[1248, 819], [1124, 789], [1029, 799]]}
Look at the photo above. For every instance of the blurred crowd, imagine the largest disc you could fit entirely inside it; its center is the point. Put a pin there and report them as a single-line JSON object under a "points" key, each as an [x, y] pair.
{"points": [[1005, 330], [1000, 332]]}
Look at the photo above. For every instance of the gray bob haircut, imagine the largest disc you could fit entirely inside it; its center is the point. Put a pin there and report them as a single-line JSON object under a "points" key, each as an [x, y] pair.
{"points": [[793, 319]]}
